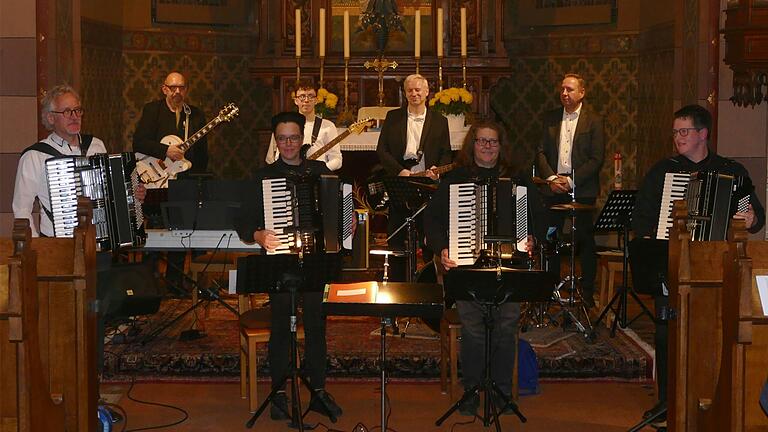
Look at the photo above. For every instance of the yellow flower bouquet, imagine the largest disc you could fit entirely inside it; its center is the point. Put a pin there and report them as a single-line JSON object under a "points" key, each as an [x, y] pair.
{"points": [[452, 101], [326, 103]]}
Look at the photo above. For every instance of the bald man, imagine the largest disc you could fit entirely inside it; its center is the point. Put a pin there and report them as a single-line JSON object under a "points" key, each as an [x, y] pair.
{"points": [[171, 115]]}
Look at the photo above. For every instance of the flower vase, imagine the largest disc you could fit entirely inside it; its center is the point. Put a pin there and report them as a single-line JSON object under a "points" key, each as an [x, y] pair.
{"points": [[455, 121]]}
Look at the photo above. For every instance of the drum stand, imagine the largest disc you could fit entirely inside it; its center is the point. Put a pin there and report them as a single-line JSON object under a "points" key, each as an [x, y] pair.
{"points": [[574, 301]]}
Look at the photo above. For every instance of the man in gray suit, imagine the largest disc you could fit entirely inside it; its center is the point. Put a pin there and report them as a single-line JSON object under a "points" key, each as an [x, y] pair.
{"points": [[569, 158]]}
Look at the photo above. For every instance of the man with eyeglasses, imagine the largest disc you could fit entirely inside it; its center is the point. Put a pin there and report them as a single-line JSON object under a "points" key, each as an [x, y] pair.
{"points": [[62, 114], [570, 157], [317, 130], [287, 128], [690, 134], [171, 115]]}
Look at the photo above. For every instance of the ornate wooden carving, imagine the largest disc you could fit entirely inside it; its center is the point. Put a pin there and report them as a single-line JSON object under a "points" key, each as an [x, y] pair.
{"points": [[746, 50]]}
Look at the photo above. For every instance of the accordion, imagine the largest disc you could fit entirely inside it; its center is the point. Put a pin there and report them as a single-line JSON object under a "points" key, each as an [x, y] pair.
{"points": [[713, 198], [485, 209], [109, 182], [309, 214]]}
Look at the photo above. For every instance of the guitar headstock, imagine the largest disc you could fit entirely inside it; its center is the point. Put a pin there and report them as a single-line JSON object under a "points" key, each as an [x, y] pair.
{"points": [[229, 112], [359, 127]]}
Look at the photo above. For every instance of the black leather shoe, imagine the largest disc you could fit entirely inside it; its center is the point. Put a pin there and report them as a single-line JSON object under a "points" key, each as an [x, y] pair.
{"points": [[660, 406], [324, 401], [279, 408], [470, 405]]}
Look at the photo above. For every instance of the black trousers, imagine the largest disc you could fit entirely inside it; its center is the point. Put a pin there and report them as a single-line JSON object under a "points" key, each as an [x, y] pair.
{"points": [[315, 348], [585, 238], [503, 347]]}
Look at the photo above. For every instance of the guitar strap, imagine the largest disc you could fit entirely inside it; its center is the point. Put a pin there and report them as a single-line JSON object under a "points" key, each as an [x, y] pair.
{"points": [[316, 129]]}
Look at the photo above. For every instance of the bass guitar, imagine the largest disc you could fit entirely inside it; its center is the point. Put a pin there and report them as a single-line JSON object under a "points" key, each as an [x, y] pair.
{"points": [[356, 128], [155, 173], [376, 188]]}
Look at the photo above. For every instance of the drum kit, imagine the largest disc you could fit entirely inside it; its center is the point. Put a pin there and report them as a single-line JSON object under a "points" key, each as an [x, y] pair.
{"points": [[566, 306]]}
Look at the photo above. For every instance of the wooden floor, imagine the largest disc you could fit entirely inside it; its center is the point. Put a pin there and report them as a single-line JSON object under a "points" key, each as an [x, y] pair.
{"points": [[573, 407]]}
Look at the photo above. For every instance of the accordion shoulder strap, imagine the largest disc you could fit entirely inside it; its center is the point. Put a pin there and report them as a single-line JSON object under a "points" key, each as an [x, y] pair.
{"points": [[43, 148]]}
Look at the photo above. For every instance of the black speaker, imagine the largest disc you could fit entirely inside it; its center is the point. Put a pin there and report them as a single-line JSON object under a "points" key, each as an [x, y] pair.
{"points": [[129, 290]]}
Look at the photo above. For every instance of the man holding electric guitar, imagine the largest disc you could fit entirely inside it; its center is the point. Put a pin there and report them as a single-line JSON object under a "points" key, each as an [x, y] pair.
{"points": [[413, 140], [171, 115]]}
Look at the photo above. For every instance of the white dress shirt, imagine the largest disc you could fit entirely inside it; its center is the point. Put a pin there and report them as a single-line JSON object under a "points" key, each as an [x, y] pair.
{"points": [[413, 136], [32, 182], [332, 157], [565, 147]]}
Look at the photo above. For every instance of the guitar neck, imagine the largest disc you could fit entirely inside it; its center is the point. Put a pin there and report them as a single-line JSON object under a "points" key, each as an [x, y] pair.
{"points": [[439, 170], [199, 134], [322, 150]]}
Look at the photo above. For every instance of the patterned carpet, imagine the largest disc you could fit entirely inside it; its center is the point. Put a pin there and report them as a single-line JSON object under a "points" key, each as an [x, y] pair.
{"points": [[353, 350]]}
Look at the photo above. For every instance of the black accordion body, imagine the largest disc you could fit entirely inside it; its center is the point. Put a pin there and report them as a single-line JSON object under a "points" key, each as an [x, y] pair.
{"points": [[308, 214], [713, 198], [483, 209], [109, 182]]}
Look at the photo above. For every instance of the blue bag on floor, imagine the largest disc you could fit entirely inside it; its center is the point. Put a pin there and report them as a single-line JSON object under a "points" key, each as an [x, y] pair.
{"points": [[527, 369]]}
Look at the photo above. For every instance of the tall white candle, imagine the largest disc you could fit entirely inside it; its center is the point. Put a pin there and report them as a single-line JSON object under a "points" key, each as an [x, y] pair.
{"points": [[322, 32], [439, 32], [463, 32], [298, 32], [417, 34], [346, 34]]}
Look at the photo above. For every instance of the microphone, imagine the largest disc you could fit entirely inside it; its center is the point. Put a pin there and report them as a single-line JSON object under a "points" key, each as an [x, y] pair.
{"points": [[187, 109]]}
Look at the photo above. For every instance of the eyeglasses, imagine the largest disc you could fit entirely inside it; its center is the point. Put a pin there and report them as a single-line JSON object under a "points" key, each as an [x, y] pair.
{"points": [[174, 88], [493, 142], [683, 131], [71, 113], [306, 97], [295, 139]]}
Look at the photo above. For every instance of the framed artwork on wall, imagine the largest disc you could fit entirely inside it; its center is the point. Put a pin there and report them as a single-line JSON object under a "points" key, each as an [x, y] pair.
{"points": [[228, 13]]}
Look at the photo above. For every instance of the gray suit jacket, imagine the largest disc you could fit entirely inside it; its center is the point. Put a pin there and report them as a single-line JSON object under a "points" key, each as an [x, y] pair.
{"points": [[587, 153]]}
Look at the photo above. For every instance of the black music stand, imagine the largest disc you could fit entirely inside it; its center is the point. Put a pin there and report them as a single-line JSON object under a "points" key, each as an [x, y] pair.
{"points": [[384, 300], [491, 287], [412, 195], [617, 216], [278, 274]]}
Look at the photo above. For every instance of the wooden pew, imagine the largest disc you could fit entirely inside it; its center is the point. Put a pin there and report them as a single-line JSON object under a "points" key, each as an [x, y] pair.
{"points": [[23, 380], [695, 278], [66, 323], [744, 354], [718, 340]]}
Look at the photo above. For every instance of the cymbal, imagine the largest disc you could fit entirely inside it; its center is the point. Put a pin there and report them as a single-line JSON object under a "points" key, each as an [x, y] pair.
{"points": [[572, 206], [396, 253]]}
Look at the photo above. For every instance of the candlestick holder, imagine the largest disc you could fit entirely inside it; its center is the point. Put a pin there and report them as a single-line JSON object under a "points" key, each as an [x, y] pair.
{"points": [[346, 84], [298, 70], [322, 67], [417, 64], [464, 71], [440, 73]]}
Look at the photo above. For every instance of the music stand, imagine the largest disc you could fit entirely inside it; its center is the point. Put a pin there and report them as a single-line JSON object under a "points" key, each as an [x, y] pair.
{"points": [[491, 287], [412, 195], [279, 274], [616, 216]]}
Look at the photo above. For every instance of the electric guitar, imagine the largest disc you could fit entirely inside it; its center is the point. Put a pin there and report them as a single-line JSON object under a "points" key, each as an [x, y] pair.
{"points": [[376, 188], [356, 128], [155, 173]]}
